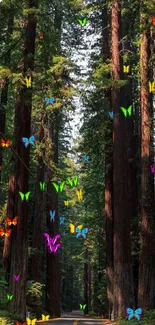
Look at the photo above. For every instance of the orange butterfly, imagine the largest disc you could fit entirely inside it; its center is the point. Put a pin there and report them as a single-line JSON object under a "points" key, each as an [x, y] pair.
{"points": [[5, 143], [41, 35], [153, 20], [12, 221], [20, 324], [5, 233]]}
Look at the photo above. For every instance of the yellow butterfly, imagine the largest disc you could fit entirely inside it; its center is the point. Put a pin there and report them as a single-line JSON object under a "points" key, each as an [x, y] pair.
{"points": [[66, 203], [72, 227], [126, 68], [45, 317], [29, 321], [28, 82], [151, 87], [79, 195]]}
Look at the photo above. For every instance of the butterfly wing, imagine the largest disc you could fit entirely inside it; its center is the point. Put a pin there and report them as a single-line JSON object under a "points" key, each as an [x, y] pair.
{"points": [[46, 100], [27, 195], [28, 320], [43, 317], [130, 110], [80, 306], [62, 186], [56, 186], [75, 181], [7, 143], [2, 232], [72, 228], [138, 313], [78, 232], [25, 141], [80, 21], [8, 232], [70, 182], [130, 313], [33, 321], [47, 317], [84, 21], [32, 140], [84, 306], [124, 110], [9, 221], [52, 215], [21, 195]]}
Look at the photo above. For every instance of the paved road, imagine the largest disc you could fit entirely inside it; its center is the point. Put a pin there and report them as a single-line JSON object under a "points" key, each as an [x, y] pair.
{"points": [[72, 321]]}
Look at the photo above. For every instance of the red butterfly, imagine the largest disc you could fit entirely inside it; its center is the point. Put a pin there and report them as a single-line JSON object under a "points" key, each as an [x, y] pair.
{"points": [[20, 324], [5, 233], [41, 35], [12, 221], [153, 20], [5, 143]]}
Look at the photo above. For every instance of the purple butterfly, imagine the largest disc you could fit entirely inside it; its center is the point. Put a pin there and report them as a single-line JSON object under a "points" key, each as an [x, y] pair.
{"points": [[152, 168], [16, 277], [52, 248]]}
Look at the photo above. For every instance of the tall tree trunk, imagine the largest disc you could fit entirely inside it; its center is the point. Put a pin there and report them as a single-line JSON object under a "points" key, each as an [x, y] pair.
{"points": [[86, 284], [22, 129], [147, 252], [123, 279]]}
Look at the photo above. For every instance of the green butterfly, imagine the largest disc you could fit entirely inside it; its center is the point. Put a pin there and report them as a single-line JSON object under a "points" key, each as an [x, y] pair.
{"points": [[26, 195], [42, 186], [9, 297], [59, 188], [127, 111], [82, 22], [73, 182], [82, 307]]}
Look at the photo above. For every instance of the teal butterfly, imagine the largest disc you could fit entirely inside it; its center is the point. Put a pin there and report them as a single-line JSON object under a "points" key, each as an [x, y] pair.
{"points": [[42, 186], [82, 307], [9, 297], [59, 188], [127, 111], [73, 182], [26, 196], [82, 22]]}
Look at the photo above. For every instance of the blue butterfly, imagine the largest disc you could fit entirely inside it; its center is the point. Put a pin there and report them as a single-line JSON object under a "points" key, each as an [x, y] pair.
{"points": [[134, 313], [28, 141], [82, 232], [111, 114], [49, 100], [86, 158], [62, 219], [52, 215]]}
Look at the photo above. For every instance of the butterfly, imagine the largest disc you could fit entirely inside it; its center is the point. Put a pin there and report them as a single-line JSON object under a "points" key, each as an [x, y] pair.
{"points": [[45, 317], [66, 203], [16, 277], [5, 233], [49, 100], [42, 186], [111, 114], [73, 182], [29, 321], [82, 22], [28, 81], [126, 68], [9, 297], [5, 143], [52, 215], [126, 111], [153, 20], [134, 313], [12, 221], [62, 219], [0, 167], [20, 324], [152, 168], [72, 227], [41, 35], [52, 248], [79, 195], [82, 307], [81, 233], [59, 188], [26, 195], [151, 87], [28, 141], [86, 158]]}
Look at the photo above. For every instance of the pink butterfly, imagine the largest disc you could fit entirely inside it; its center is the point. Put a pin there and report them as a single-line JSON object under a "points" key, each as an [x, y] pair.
{"points": [[16, 277], [152, 168], [52, 248]]}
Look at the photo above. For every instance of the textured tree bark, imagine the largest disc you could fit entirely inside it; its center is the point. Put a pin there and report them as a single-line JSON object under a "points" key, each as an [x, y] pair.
{"points": [[147, 252], [22, 129], [86, 285], [123, 278]]}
